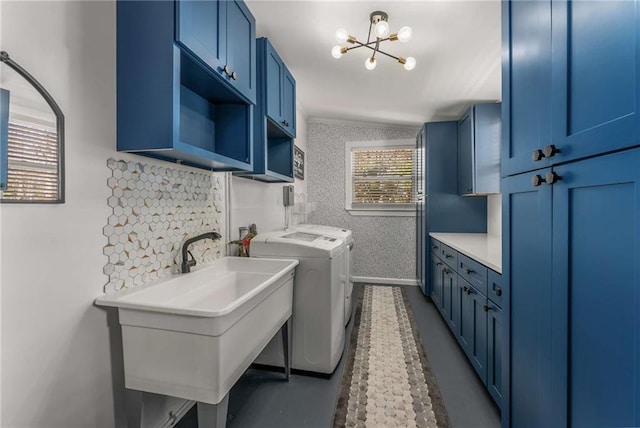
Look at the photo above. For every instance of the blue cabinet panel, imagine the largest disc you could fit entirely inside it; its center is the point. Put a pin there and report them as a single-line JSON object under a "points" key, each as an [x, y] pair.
{"points": [[437, 280], [241, 48], [596, 77], [465, 154], [494, 352], [201, 28], [527, 269], [473, 327], [289, 101], [526, 84], [450, 308], [596, 247], [273, 85], [272, 140]]}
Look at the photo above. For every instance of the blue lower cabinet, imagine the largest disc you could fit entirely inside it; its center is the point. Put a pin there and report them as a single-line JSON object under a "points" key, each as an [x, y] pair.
{"points": [[494, 352], [473, 327], [596, 291], [452, 309]]}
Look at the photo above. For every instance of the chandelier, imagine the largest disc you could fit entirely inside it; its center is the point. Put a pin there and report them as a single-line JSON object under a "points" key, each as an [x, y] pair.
{"points": [[379, 29]]}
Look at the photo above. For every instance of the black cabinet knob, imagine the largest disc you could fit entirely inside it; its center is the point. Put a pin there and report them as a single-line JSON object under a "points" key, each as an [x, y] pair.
{"points": [[498, 292], [552, 177], [464, 288], [486, 308], [550, 150], [537, 180], [537, 155]]}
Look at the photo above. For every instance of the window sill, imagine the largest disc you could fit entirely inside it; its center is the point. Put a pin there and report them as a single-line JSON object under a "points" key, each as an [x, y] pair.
{"points": [[381, 213]]}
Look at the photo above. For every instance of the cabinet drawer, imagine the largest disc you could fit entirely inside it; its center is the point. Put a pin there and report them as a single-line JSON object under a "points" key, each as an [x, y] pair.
{"points": [[449, 256], [494, 287], [473, 272]]}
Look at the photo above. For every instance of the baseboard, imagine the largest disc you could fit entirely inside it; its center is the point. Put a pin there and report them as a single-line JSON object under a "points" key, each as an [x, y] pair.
{"points": [[391, 281]]}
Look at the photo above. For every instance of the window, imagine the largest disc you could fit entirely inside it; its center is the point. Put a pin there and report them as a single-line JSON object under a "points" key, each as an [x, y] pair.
{"points": [[381, 178]]}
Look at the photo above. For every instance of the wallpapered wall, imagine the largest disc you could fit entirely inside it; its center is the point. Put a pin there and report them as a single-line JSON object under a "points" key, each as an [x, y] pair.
{"points": [[384, 246]]}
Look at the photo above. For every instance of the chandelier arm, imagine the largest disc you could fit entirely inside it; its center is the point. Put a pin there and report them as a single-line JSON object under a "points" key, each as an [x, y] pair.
{"points": [[369, 35], [362, 45]]}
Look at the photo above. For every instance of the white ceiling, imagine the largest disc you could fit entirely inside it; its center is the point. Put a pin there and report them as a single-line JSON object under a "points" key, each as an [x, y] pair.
{"points": [[456, 45]]}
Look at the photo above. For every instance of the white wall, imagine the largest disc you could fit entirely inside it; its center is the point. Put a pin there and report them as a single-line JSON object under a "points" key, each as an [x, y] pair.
{"points": [[494, 217], [56, 358], [261, 203]]}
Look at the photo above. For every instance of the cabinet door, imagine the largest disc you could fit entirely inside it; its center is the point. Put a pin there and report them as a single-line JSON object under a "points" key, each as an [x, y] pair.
{"points": [[273, 87], [596, 72], [437, 268], [289, 102], [452, 309], [472, 334], [494, 352], [596, 286], [526, 74], [241, 48], [201, 28], [527, 301], [465, 154]]}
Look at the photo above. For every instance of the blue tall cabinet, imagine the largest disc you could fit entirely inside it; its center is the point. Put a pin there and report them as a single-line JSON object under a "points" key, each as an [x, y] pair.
{"points": [[571, 216], [439, 207]]}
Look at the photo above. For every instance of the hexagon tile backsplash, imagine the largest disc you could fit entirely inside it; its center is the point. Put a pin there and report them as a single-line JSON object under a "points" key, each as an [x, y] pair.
{"points": [[154, 210]]}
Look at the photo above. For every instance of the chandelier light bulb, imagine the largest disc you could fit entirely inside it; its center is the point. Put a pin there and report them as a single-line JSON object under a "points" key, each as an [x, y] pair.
{"points": [[370, 63], [381, 29], [410, 63], [342, 35], [336, 52], [404, 34]]}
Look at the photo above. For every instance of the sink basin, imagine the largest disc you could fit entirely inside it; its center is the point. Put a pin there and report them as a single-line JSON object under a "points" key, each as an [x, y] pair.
{"points": [[193, 335]]}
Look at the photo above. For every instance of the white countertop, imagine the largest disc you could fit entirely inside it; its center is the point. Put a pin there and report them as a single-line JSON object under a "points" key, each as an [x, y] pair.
{"points": [[479, 246]]}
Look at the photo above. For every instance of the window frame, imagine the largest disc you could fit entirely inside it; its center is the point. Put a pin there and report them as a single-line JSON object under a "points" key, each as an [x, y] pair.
{"points": [[408, 210]]}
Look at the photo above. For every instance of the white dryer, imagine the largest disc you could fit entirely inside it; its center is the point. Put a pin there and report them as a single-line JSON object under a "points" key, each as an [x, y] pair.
{"points": [[347, 276], [318, 299]]}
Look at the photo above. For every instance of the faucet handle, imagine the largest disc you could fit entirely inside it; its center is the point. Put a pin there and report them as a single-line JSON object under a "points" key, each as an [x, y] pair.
{"points": [[191, 262]]}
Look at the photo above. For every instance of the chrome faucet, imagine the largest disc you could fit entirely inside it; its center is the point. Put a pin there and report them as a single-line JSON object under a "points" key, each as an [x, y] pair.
{"points": [[188, 264]]}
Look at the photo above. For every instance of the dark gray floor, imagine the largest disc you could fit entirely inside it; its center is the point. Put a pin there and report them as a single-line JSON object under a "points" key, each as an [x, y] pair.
{"points": [[263, 399]]}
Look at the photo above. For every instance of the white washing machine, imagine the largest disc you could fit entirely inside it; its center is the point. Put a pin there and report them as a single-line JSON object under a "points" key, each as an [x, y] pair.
{"points": [[347, 237], [318, 299]]}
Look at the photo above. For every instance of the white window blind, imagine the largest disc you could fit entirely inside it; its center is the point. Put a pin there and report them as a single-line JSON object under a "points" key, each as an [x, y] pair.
{"points": [[381, 177], [33, 163]]}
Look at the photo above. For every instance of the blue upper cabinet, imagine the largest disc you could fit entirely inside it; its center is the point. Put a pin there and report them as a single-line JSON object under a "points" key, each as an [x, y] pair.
{"points": [[175, 99], [571, 89], [526, 84], [280, 91], [595, 77], [479, 150], [222, 35], [274, 118]]}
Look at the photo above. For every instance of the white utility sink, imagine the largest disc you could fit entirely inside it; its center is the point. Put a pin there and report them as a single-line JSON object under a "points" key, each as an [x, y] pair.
{"points": [[193, 335]]}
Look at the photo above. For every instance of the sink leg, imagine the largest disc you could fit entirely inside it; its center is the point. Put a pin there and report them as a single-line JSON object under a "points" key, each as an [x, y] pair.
{"points": [[286, 347], [213, 415]]}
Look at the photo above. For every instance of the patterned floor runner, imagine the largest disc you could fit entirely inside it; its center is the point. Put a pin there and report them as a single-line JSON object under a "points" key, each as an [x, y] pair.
{"points": [[387, 381]]}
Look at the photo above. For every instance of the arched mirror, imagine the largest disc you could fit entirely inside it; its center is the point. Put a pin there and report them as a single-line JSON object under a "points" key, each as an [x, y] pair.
{"points": [[31, 138]]}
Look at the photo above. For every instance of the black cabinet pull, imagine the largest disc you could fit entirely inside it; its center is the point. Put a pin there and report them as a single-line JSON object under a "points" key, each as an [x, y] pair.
{"points": [[537, 180], [550, 151], [552, 177], [486, 308], [439, 264], [234, 75], [469, 271], [464, 288], [537, 155], [498, 291], [448, 256], [435, 247]]}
